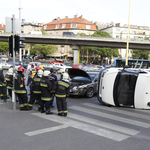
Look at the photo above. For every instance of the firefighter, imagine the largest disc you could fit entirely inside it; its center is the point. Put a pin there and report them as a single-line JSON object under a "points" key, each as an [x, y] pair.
{"points": [[46, 95], [9, 81], [62, 71], [62, 93], [20, 89], [53, 79], [36, 92], [37, 69], [1, 83]]}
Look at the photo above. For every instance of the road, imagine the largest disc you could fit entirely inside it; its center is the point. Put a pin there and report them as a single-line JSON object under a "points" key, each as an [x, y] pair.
{"points": [[88, 126]]}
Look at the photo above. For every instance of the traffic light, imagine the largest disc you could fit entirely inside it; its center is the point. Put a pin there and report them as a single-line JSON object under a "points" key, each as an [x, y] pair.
{"points": [[18, 39], [11, 46]]}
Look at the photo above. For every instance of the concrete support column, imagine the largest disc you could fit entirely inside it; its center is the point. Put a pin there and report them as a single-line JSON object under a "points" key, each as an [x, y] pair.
{"points": [[76, 54]]}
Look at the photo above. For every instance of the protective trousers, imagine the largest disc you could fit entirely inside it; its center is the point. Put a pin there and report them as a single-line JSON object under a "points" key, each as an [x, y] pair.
{"points": [[22, 100], [62, 104], [33, 98]]}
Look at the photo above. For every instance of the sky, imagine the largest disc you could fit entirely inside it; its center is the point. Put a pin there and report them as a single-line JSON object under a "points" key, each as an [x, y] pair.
{"points": [[104, 11]]}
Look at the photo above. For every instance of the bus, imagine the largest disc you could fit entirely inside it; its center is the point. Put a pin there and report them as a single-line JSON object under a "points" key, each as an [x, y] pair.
{"points": [[133, 63]]}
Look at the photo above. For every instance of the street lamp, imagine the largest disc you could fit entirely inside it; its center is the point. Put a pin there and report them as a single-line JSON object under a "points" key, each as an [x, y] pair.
{"points": [[128, 34], [20, 50]]}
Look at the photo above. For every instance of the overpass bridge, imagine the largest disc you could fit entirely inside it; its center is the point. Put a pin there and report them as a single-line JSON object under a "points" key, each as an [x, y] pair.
{"points": [[77, 41]]}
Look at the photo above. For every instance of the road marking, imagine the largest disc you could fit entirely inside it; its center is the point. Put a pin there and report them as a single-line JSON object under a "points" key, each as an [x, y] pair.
{"points": [[36, 132], [103, 124], [85, 127], [117, 110], [112, 117]]}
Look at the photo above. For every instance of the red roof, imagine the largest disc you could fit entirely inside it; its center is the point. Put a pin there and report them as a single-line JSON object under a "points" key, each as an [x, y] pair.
{"points": [[2, 27], [81, 24]]}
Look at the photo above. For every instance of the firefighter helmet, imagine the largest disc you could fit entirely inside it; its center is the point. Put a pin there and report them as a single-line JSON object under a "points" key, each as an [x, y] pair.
{"points": [[62, 71], [37, 68], [20, 69], [10, 70], [65, 76], [40, 72], [46, 73]]}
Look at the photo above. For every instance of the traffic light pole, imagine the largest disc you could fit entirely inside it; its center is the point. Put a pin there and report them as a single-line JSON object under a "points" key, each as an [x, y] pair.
{"points": [[13, 89]]}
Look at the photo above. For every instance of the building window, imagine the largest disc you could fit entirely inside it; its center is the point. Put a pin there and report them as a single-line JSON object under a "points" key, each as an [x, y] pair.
{"points": [[117, 36], [57, 26], [73, 25], [88, 26], [63, 25], [45, 27]]}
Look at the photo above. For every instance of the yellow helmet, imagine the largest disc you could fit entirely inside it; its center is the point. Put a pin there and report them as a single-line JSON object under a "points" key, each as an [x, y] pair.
{"points": [[65, 76], [10, 70], [62, 71], [46, 73]]}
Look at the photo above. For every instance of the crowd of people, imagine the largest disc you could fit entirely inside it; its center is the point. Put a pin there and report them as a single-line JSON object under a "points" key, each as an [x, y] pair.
{"points": [[43, 85]]}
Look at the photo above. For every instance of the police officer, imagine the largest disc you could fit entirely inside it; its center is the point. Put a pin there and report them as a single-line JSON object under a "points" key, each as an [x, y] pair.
{"points": [[36, 92], [62, 93], [1, 82], [20, 89], [53, 79], [46, 95], [9, 81]]}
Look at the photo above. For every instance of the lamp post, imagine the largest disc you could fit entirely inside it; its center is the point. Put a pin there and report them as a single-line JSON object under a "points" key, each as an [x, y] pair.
{"points": [[20, 50], [128, 34]]}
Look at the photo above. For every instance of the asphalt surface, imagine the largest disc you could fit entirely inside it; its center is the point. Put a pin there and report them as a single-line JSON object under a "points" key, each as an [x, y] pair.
{"points": [[88, 126]]}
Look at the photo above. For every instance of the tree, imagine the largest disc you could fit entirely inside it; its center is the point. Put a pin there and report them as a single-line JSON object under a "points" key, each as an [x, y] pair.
{"points": [[4, 47], [43, 49], [140, 54], [103, 52]]}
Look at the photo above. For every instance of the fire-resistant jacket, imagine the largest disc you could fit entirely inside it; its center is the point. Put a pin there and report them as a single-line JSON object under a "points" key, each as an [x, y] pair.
{"points": [[62, 88], [19, 84], [46, 88], [9, 80], [36, 85], [53, 79], [1, 76]]}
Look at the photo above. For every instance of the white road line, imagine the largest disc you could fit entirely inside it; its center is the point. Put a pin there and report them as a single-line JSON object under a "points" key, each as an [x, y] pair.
{"points": [[85, 127], [36, 132], [103, 124], [113, 117], [117, 110]]}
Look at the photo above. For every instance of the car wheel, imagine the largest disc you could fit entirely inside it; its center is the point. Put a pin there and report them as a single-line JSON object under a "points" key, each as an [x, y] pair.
{"points": [[89, 92]]}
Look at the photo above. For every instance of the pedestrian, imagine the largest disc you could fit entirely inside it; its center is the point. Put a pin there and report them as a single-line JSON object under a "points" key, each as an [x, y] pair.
{"points": [[9, 81], [20, 89], [2, 85], [46, 95], [42, 66], [36, 92], [53, 79], [31, 76], [62, 94]]}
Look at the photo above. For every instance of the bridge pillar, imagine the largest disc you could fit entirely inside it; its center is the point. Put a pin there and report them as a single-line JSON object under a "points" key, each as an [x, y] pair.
{"points": [[76, 49]]}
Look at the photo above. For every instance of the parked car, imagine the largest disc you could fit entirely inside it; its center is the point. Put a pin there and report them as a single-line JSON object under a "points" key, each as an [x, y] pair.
{"points": [[4, 58], [82, 83], [38, 57], [124, 87], [77, 66], [61, 66], [5, 65], [57, 61], [38, 63], [23, 64], [91, 69]]}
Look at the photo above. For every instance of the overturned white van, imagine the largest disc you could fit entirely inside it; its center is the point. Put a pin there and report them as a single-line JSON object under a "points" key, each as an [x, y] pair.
{"points": [[124, 87]]}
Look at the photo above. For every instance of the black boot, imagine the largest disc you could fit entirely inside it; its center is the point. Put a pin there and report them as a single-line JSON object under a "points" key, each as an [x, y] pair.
{"points": [[29, 107], [48, 111], [65, 114], [60, 114], [39, 108], [42, 110]]}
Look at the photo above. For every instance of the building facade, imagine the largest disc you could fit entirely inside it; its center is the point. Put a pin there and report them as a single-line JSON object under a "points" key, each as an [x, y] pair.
{"points": [[2, 28], [77, 25]]}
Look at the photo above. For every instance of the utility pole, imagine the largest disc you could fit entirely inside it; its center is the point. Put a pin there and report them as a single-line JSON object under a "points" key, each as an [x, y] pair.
{"points": [[20, 50]]}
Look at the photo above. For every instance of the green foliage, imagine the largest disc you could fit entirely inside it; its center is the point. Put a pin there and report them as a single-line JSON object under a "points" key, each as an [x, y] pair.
{"points": [[43, 32], [43, 49], [4, 46], [140, 54], [102, 51]]}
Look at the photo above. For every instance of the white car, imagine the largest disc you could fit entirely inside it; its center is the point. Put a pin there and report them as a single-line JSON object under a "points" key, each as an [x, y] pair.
{"points": [[61, 66], [5, 65], [124, 87]]}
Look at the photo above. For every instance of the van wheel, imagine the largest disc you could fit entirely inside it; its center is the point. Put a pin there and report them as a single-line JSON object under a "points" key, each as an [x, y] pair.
{"points": [[89, 92]]}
